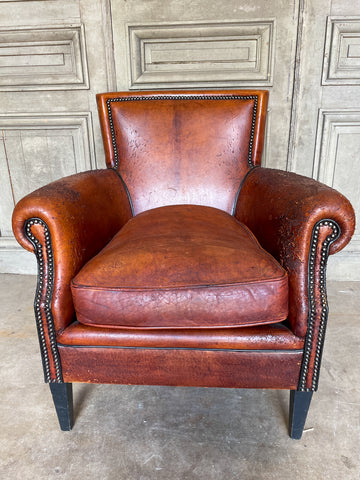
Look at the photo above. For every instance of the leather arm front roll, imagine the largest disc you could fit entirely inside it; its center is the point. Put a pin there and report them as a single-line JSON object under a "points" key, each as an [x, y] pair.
{"points": [[282, 210], [80, 214]]}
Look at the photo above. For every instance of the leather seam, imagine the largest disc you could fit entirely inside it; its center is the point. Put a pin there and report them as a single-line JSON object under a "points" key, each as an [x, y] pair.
{"points": [[116, 326], [259, 351], [126, 189], [255, 167], [181, 287]]}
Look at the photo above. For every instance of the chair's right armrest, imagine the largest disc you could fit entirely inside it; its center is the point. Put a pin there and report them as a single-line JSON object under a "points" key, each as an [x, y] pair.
{"points": [[300, 222], [65, 224], [285, 211]]}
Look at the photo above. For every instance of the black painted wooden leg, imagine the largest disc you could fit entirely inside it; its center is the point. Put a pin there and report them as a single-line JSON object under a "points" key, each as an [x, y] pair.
{"points": [[299, 406], [63, 401]]}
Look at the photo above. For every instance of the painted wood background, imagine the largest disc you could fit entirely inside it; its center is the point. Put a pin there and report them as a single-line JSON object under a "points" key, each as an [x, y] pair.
{"points": [[56, 55]]}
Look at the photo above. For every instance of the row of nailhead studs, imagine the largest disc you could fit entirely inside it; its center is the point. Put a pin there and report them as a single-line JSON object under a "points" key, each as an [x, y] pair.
{"points": [[47, 300], [312, 307], [185, 97]]}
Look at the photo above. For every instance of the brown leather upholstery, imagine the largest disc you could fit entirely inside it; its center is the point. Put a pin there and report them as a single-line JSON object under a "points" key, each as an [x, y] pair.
{"points": [[182, 367], [169, 152], [263, 337], [282, 209], [161, 254], [181, 266], [83, 212]]}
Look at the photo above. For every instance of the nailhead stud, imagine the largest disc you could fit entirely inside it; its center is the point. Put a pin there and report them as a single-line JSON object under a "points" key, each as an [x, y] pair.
{"points": [[45, 299], [183, 97], [312, 307]]}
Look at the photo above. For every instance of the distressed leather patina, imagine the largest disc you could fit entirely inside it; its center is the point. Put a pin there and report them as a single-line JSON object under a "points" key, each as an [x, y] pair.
{"points": [[184, 262]]}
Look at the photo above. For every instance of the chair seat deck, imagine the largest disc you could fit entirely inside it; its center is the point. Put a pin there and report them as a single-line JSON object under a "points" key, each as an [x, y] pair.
{"points": [[182, 266]]}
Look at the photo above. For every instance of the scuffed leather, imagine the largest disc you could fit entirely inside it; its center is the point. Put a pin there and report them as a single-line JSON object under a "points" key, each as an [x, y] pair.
{"points": [[83, 212], [281, 209], [262, 337], [181, 266], [180, 151], [182, 367]]}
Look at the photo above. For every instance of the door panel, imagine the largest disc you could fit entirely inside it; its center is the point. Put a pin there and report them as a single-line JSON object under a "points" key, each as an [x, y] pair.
{"points": [[54, 57], [326, 142]]}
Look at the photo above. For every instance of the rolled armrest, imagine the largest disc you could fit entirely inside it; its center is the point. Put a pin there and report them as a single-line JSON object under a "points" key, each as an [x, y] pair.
{"points": [[283, 210], [65, 224]]}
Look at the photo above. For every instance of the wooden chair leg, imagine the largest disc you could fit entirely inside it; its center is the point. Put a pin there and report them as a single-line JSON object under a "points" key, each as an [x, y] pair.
{"points": [[299, 406], [63, 401]]}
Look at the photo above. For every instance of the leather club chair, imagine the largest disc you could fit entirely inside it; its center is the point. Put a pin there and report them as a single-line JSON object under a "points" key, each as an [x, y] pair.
{"points": [[185, 262]]}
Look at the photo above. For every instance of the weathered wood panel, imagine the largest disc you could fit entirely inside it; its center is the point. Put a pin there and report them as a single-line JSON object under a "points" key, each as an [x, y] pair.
{"points": [[342, 52], [45, 58], [208, 54]]}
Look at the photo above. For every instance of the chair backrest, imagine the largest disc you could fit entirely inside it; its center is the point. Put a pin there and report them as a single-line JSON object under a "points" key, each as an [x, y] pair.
{"points": [[189, 147]]}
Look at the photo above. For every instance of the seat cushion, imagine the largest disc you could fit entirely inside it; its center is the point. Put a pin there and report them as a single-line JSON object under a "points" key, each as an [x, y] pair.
{"points": [[181, 266]]}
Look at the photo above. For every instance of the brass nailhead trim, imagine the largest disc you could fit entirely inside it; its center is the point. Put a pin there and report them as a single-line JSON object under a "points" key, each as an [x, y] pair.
{"points": [[46, 353], [184, 97], [309, 340]]}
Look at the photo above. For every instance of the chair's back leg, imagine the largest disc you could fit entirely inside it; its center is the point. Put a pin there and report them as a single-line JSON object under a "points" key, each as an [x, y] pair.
{"points": [[299, 406], [63, 401]]}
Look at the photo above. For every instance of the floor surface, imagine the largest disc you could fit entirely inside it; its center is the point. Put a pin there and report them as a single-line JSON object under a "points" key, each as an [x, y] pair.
{"points": [[137, 432]]}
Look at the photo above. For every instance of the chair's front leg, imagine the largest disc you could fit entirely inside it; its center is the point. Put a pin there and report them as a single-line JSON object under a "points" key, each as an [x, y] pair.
{"points": [[63, 401], [298, 409]]}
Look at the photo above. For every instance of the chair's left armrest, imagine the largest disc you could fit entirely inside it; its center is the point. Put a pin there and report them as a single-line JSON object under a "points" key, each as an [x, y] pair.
{"points": [[292, 216], [65, 224]]}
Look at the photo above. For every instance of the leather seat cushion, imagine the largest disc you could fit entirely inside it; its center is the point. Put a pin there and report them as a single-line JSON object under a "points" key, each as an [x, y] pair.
{"points": [[181, 266]]}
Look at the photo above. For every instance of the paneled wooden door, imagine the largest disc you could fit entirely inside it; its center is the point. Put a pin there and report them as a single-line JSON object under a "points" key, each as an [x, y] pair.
{"points": [[325, 141], [56, 55]]}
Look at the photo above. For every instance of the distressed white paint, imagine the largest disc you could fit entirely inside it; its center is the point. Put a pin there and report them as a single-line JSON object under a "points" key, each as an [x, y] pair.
{"points": [[342, 52], [7, 202], [337, 154], [14, 259], [326, 110], [202, 54], [52, 57]]}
